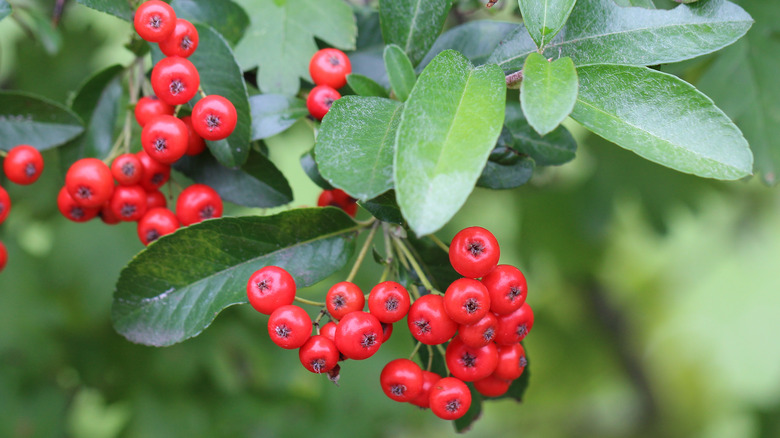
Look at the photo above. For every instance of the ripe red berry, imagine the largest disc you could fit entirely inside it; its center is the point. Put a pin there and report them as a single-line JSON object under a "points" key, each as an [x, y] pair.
{"points": [[330, 67], [175, 80], [127, 169], [492, 386], [511, 362], [320, 100], [23, 164], [128, 203], [197, 203], [154, 20], [481, 332], [401, 380], [164, 138], [107, 215], [195, 143], [269, 288], [389, 301], [358, 335], [469, 363], [507, 288], [428, 321], [156, 223], [5, 204], [319, 354], [344, 297], [289, 327], [149, 107], [466, 301], [214, 117], [154, 199], [474, 252], [155, 174], [183, 40], [3, 256], [73, 211], [338, 198], [423, 398], [513, 328], [329, 330], [450, 398], [387, 331], [89, 182]]}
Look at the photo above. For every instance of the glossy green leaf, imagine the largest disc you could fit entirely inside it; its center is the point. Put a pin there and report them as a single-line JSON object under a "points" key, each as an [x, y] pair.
{"points": [[225, 16], [33, 120], [355, 145], [601, 32], [399, 71], [117, 8], [545, 18], [548, 91], [663, 119], [280, 39], [365, 86], [413, 25], [434, 261], [174, 289], [274, 113], [5, 9], [506, 176], [258, 183], [309, 165], [557, 147], [448, 128], [638, 3], [475, 40], [385, 208]]}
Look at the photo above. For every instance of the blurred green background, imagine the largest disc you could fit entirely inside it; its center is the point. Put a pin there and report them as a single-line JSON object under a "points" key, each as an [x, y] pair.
{"points": [[656, 297]]}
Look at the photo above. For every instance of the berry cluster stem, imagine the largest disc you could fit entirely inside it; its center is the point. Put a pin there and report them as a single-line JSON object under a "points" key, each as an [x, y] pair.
{"points": [[439, 243], [310, 302], [416, 266], [416, 349], [363, 252], [513, 79]]}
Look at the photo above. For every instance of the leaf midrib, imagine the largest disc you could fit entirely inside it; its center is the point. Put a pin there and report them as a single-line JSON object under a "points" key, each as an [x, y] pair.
{"points": [[383, 143]]}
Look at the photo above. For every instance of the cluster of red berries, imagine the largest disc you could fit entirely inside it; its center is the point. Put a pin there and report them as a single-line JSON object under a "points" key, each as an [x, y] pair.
{"points": [[328, 69], [338, 198], [23, 165], [483, 322]]}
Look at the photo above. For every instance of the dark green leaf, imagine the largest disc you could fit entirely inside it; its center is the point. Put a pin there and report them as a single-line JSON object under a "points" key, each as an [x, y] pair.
{"points": [[548, 91], [399, 71], [5, 9], [258, 183], [639, 3], [365, 86], [413, 25], [174, 289], [33, 120], [448, 128], [464, 423], [506, 176], [41, 28], [225, 16], [280, 39], [369, 62], [438, 366], [545, 18], [355, 145], [475, 40], [274, 113], [663, 119], [555, 148], [384, 208], [117, 8], [309, 165], [434, 261]]}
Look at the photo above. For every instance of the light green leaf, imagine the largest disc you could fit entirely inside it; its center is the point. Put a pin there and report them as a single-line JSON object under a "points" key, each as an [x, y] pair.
{"points": [[638, 3], [448, 128], [556, 148], [225, 16], [117, 8], [365, 86], [355, 145], [413, 25], [663, 119], [548, 91], [475, 40], [399, 71], [274, 113], [545, 18], [5, 9], [33, 120]]}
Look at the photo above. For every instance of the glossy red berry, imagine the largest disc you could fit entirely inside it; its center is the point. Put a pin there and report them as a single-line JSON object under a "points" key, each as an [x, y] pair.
{"points": [[155, 199], [107, 215], [474, 252], [329, 330], [154, 20], [358, 335], [175, 80], [157, 222], [511, 362], [423, 398], [481, 332], [89, 182], [389, 301], [165, 138], [23, 164], [401, 380], [155, 174], [507, 288], [149, 107], [183, 40], [330, 67], [320, 100], [387, 331], [128, 203], [72, 210], [269, 288], [319, 354], [513, 327], [428, 321], [466, 301], [469, 363], [492, 386], [197, 203], [344, 297], [3, 256], [5, 204], [338, 198], [214, 117], [127, 169], [449, 398], [195, 143], [289, 327]]}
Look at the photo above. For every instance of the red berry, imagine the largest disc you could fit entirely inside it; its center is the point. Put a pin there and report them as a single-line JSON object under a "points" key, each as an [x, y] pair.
{"points": [[319, 354], [164, 138], [73, 211], [195, 143], [269, 288], [474, 252], [492, 386], [338, 198], [401, 380], [469, 363], [149, 107], [89, 182], [466, 301], [156, 223], [428, 321], [107, 215], [358, 335], [507, 288], [289, 327], [423, 399], [127, 169], [389, 301], [23, 164], [175, 80], [155, 174], [128, 203], [511, 362], [329, 330], [449, 398], [183, 40], [154, 20], [154, 199], [3, 256], [197, 203], [5, 204], [342, 298], [214, 117], [481, 332], [387, 331], [513, 328], [320, 100], [330, 67]]}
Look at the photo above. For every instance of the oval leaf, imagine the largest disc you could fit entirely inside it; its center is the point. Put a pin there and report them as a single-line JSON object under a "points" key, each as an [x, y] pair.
{"points": [[545, 18], [117, 8], [548, 91], [175, 288], [385, 208], [475, 40], [663, 119], [399, 71], [225, 16], [557, 147], [309, 165], [413, 25], [365, 86], [448, 128], [274, 113], [33, 120]]}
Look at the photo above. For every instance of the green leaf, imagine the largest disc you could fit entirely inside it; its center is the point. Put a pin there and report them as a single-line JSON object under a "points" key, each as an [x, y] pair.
{"points": [[355, 145], [274, 113], [434, 261], [5, 9], [258, 183], [448, 128], [117, 8], [638, 3], [438, 364], [545, 18], [385, 208], [33, 120], [280, 39], [399, 71], [506, 176], [548, 91], [174, 289], [309, 165], [601, 32], [557, 147], [413, 25], [365, 86], [663, 119], [225, 16], [475, 40], [39, 25], [464, 423], [220, 74]]}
